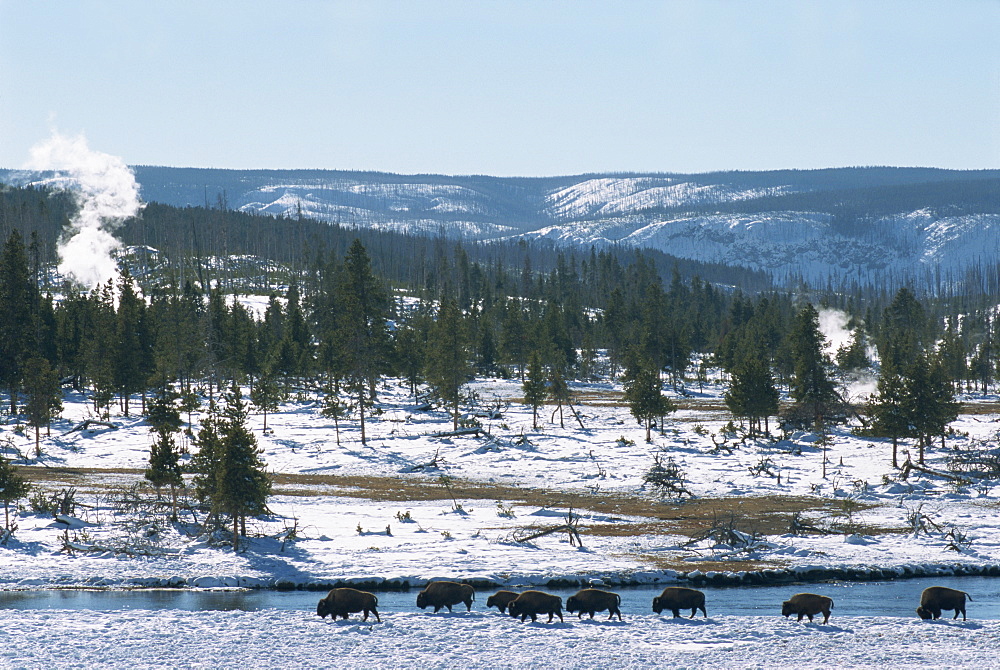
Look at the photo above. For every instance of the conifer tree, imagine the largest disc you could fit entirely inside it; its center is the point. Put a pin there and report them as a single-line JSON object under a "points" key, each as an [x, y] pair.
{"points": [[559, 392], [266, 395], [811, 385], [752, 393], [362, 331], [44, 395], [333, 408], [644, 393], [127, 356], [232, 478], [448, 366], [17, 305], [13, 487], [513, 337], [887, 408], [164, 418], [534, 387]]}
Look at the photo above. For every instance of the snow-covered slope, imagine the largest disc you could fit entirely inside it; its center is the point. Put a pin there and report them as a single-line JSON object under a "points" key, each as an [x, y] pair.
{"points": [[853, 223]]}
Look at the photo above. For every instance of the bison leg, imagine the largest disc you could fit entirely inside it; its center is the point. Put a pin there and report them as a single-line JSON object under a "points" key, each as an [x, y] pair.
{"points": [[591, 615], [694, 610], [826, 617], [677, 612]]}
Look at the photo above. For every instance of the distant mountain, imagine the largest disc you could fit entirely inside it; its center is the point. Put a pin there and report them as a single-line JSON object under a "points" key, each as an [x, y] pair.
{"points": [[840, 223]]}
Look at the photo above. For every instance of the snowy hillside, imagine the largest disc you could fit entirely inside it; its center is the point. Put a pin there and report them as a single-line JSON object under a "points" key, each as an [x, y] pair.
{"points": [[854, 223]]}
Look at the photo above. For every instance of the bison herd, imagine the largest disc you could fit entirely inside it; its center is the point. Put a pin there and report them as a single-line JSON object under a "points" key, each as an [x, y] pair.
{"points": [[341, 602]]}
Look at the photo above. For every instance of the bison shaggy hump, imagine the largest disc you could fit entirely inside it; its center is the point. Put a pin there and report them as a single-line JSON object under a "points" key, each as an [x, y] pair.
{"points": [[677, 598], [341, 602], [533, 603], [594, 600], [937, 598], [807, 604], [500, 600], [446, 594]]}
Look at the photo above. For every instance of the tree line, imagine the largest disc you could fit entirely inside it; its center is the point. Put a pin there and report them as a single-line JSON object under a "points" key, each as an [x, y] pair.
{"points": [[340, 325]]}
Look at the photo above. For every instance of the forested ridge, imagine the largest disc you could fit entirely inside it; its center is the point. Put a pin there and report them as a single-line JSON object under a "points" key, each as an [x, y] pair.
{"points": [[348, 309]]}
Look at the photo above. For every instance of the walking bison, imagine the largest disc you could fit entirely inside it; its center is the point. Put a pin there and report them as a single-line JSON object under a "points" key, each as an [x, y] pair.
{"points": [[533, 603], [594, 600], [341, 602], [807, 604], [446, 594], [677, 598], [500, 600]]}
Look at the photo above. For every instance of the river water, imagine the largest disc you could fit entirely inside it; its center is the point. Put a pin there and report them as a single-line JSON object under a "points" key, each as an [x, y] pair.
{"points": [[893, 598]]}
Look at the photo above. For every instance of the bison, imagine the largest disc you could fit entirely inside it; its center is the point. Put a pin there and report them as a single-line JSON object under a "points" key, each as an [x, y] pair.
{"points": [[937, 598], [807, 604], [676, 598], [341, 602], [446, 594], [501, 599], [533, 603], [594, 600]]}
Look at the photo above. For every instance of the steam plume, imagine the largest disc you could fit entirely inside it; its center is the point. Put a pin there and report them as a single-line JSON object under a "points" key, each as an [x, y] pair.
{"points": [[106, 193]]}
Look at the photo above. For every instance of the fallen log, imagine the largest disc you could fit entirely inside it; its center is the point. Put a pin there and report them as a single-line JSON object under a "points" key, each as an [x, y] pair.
{"points": [[91, 422]]}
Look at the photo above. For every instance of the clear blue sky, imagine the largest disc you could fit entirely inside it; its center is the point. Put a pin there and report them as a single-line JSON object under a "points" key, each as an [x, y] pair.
{"points": [[506, 88]]}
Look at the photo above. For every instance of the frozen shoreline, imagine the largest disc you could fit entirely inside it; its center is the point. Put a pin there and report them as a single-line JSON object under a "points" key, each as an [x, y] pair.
{"points": [[272, 638]]}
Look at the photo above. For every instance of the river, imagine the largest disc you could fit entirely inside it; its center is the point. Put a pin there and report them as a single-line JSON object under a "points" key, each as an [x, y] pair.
{"points": [[891, 598]]}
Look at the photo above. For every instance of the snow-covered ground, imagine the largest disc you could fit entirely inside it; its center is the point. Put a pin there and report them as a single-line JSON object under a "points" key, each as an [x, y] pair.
{"points": [[274, 638], [471, 538]]}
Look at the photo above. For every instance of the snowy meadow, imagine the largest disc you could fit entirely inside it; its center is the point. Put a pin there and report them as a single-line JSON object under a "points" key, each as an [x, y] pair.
{"points": [[418, 502]]}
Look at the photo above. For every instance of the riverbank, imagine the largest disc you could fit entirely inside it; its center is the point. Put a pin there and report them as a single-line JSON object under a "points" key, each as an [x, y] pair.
{"points": [[416, 502], [142, 639]]}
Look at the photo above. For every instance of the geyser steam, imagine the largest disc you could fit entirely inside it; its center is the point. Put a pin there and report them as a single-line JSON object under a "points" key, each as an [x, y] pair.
{"points": [[106, 193]]}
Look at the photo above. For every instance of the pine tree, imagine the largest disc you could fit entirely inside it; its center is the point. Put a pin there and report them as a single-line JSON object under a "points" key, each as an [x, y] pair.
{"points": [[887, 409], [44, 396], [18, 298], [334, 409], [232, 478], [266, 395], [13, 487], [127, 357], [929, 401], [902, 333], [559, 392], [513, 337], [811, 386], [363, 334], [164, 418], [448, 366], [534, 387], [853, 356], [752, 393], [644, 393]]}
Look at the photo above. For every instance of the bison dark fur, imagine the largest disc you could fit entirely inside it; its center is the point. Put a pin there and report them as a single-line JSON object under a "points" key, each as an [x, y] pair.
{"points": [[677, 598], [594, 600], [501, 599], [341, 602], [533, 603], [446, 594], [807, 604], [937, 598]]}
